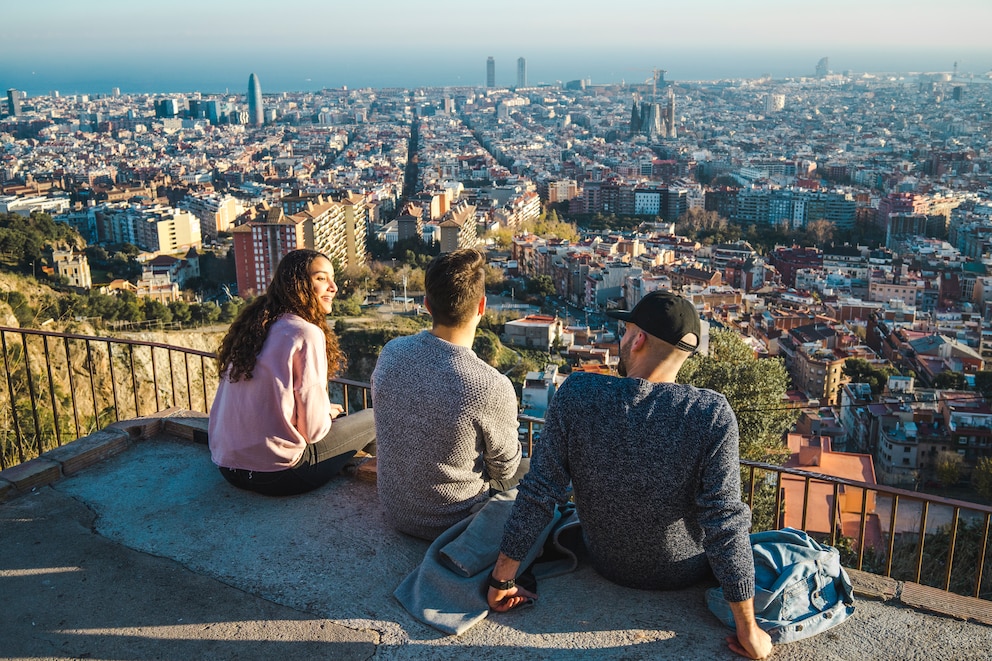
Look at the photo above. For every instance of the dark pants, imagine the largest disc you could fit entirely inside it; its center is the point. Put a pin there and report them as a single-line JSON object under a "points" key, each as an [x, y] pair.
{"points": [[495, 486], [320, 461]]}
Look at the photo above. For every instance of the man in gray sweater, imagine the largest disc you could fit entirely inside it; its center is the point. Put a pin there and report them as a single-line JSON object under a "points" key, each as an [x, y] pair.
{"points": [[446, 422], [654, 469]]}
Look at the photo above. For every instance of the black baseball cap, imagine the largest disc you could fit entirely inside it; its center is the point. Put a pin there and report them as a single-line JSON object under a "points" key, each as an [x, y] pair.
{"points": [[667, 316]]}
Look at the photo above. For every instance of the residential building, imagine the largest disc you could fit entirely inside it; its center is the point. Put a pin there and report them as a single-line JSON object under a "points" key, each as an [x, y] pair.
{"points": [[262, 241], [73, 266], [458, 228], [828, 511], [537, 331]]}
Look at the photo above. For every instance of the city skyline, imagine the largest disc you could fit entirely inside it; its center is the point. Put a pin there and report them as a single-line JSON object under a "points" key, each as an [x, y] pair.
{"points": [[148, 49]]}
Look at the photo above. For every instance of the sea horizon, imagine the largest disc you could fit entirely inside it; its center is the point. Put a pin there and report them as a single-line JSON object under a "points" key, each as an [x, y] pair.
{"points": [[137, 75]]}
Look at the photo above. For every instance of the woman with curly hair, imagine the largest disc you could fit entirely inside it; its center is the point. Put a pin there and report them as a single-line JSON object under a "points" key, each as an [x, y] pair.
{"points": [[270, 425]]}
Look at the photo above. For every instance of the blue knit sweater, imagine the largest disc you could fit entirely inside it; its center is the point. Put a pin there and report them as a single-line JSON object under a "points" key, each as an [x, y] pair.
{"points": [[654, 469]]}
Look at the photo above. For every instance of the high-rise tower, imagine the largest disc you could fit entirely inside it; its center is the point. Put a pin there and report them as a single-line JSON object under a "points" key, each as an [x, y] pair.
{"points": [[521, 72], [256, 114], [823, 67], [13, 102], [490, 72]]}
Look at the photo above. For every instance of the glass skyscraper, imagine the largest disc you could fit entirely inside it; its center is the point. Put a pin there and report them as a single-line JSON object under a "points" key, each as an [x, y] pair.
{"points": [[256, 114]]}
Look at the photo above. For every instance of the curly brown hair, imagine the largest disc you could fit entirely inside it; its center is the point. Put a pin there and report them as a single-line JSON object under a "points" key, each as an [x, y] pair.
{"points": [[291, 291]]}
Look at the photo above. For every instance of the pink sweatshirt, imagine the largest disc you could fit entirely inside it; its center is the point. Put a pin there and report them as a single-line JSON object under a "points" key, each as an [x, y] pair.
{"points": [[264, 423]]}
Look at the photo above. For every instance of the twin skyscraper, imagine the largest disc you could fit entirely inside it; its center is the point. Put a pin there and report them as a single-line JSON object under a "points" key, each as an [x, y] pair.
{"points": [[491, 72]]}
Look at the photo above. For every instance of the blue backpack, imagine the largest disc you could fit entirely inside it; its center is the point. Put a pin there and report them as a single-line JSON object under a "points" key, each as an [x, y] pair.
{"points": [[800, 587]]}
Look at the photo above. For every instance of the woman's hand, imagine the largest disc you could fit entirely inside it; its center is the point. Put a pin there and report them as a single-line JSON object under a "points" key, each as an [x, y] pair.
{"points": [[336, 410]]}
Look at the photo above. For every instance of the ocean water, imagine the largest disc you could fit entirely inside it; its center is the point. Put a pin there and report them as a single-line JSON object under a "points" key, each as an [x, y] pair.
{"points": [[39, 74]]}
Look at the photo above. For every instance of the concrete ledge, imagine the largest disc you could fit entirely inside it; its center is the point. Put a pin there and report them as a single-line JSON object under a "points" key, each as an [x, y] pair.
{"points": [[139, 428], [935, 600], [873, 586], [32, 474], [7, 491], [921, 597], [90, 450], [191, 425]]}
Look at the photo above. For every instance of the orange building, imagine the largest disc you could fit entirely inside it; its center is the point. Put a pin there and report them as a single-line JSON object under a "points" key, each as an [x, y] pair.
{"points": [[813, 454]]}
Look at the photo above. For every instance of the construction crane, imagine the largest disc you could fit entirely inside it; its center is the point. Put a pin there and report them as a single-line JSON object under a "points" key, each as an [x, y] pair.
{"points": [[656, 75]]}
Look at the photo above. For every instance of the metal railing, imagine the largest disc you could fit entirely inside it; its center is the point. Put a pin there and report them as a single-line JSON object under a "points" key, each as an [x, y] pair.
{"points": [[58, 387], [61, 386], [883, 530]]}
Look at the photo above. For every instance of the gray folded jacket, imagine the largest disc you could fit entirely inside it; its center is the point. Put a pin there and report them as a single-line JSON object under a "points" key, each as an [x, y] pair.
{"points": [[448, 589]]}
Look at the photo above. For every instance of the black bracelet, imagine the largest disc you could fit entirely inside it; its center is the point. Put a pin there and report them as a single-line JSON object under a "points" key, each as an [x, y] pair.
{"points": [[501, 585]]}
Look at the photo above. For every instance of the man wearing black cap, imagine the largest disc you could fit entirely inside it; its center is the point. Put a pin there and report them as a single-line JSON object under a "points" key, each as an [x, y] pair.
{"points": [[654, 469]]}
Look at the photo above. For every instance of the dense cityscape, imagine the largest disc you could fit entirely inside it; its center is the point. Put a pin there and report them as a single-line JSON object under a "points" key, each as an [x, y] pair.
{"points": [[839, 222]]}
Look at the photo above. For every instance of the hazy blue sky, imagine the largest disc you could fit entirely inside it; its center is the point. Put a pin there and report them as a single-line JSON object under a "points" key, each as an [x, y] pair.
{"points": [[211, 45]]}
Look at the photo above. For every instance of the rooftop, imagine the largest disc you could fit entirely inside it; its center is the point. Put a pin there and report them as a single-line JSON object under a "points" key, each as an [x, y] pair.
{"points": [[144, 551]]}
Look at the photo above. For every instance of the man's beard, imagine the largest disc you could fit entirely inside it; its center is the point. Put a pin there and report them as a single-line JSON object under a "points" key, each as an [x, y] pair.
{"points": [[624, 356]]}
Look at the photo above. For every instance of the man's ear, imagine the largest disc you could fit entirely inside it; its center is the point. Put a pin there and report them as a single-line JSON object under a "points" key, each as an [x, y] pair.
{"points": [[640, 339], [482, 306], [427, 304]]}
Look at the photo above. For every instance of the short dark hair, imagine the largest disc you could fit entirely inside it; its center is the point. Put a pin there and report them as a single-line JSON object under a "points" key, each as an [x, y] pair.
{"points": [[455, 282]]}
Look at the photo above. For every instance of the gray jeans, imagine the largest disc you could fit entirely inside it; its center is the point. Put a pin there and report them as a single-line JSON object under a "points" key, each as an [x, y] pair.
{"points": [[320, 462]]}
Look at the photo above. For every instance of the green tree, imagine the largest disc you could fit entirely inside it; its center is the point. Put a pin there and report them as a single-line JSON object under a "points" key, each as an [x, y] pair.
{"points": [[350, 306], [487, 346], [204, 313], [949, 380], [948, 468], [229, 310], [494, 278], [541, 286], [181, 311], [859, 370], [156, 310], [981, 477], [754, 388], [983, 383]]}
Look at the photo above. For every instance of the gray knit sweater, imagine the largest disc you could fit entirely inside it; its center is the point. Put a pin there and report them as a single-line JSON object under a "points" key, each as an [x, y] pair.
{"points": [[446, 424], [654, 469]]}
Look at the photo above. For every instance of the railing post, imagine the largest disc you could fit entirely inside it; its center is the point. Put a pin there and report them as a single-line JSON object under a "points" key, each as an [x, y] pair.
{"points": [[34, 404], [203, 381], [134, 382], [172, 380], [189, 386], [72, 386], [835, 515], [158, 405], [779, 495], [113, 381], [91, 369], [981, 557], [892, 534], [805, 501], [13, 400], [51, 392], [861, 530], [923, 535], [950, 548]]}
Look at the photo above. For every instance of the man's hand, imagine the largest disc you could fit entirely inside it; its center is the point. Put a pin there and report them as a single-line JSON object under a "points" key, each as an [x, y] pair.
{"points": [[755, 644], [751, 641], [503, 600]]}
